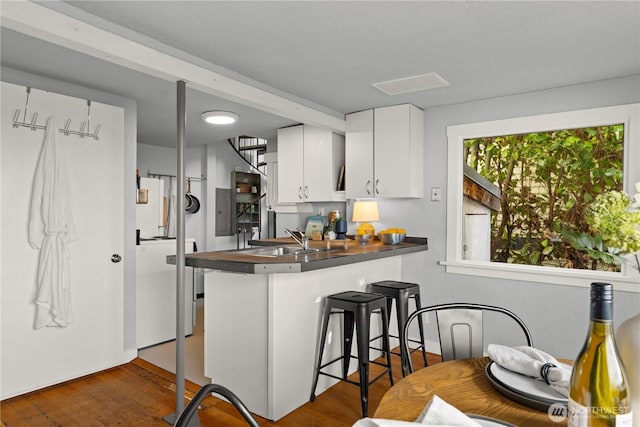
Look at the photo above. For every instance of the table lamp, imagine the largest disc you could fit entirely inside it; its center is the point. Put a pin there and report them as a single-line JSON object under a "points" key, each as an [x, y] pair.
{"points": [[365, 211]]}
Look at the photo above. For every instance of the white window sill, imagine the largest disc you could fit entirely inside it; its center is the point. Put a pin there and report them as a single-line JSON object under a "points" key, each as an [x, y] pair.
{"points": [[628, 281]]}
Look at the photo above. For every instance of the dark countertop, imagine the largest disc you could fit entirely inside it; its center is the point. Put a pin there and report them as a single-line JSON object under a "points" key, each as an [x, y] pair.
{"points": [[237, 261]]}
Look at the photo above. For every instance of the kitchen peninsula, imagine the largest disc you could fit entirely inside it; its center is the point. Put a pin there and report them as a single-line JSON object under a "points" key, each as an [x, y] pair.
{"points": [[263, 306]]}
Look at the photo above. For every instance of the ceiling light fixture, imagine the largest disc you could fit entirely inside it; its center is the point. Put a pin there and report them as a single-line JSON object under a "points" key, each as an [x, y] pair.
{"points": [[219, 117]]}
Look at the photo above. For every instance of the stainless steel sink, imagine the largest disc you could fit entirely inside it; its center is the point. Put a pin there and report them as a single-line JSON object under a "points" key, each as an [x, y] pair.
{"points": [[278, 251]]}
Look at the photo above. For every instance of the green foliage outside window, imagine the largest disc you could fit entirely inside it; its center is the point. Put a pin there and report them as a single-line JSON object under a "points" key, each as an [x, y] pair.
{"points": [[547, 181], [613, 229]]}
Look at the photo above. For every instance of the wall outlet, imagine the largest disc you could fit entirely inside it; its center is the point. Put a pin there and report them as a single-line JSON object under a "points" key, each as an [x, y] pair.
{"points": [[436, 194]]}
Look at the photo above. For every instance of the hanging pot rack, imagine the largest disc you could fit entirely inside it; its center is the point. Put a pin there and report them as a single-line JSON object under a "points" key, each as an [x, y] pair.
{"points": [[66, 131], [164, 175]]}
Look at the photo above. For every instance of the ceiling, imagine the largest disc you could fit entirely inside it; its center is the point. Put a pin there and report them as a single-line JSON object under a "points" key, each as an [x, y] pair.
{"points": [[326, 54]]}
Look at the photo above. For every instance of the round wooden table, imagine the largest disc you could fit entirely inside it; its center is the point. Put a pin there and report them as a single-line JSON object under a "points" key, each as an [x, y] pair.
{"points": [[463, 384]]}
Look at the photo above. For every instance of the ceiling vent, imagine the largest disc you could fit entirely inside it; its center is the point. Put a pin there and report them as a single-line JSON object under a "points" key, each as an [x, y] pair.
{"points": [[411, 84]]}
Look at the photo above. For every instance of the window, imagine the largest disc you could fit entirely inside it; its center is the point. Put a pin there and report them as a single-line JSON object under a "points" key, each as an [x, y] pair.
{"points": [[538, 185], [458, 259]]}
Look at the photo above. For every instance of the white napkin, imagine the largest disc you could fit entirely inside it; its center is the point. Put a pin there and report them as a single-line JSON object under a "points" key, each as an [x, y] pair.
{"points": [[379, 422], [436, 413], [440, 413], [533, 363]]}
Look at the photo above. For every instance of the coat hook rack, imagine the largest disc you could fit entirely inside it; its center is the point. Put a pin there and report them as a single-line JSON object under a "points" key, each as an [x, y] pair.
{"points": [[66, 131]]}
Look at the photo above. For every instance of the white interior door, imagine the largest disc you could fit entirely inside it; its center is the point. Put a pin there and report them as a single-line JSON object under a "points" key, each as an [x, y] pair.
{"points": [[32, 358]]}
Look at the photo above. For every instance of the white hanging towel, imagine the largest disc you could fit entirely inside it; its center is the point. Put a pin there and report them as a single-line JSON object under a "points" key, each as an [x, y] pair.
{"points": [[51, 228], [173, 200]]}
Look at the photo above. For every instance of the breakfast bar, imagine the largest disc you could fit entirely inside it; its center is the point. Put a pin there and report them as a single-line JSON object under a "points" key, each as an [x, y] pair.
{"points": [[263, 306], [263, 257]]}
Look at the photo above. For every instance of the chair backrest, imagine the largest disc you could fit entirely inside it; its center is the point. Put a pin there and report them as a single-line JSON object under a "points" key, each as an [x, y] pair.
{"points": [[460, 329], [184, 418]]}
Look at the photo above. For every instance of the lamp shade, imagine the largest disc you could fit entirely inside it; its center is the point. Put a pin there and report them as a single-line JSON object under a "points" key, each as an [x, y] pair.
{"points": [[365, 211]]}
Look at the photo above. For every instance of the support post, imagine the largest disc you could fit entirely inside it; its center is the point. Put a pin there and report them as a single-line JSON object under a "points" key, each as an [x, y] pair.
{"points": [[180, 262]]}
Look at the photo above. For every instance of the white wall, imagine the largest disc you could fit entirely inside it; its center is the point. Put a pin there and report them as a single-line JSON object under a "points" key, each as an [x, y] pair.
{"points": [[557, 315], [97, 338]]}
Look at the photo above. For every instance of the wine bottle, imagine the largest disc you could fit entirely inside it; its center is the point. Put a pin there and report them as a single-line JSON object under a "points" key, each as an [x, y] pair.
{"points": [[599, 395]]}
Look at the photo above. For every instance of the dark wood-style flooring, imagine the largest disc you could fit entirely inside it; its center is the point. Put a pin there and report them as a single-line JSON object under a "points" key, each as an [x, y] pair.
{"points": [[140, 394]]}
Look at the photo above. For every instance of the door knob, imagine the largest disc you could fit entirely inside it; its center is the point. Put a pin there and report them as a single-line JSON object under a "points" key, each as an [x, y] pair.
{"points": [[115, 258]]}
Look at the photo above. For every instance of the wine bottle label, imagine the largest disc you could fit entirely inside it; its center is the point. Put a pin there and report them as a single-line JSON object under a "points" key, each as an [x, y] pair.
{"points": [[577, 414], [581, 416]]}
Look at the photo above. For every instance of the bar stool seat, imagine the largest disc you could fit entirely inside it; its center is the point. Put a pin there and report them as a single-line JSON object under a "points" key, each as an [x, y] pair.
{"points": [[356, 308], [401, 292]]}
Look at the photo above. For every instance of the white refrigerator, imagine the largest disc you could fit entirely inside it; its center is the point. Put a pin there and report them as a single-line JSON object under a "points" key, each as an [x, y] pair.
{"points": [[156, 293]]}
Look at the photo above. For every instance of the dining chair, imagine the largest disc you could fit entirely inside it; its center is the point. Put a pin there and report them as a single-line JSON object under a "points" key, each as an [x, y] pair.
{"points": [[190, 410], [460, 329]]}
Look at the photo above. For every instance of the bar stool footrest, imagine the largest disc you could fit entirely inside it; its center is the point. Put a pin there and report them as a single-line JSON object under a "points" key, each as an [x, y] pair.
{"points": [[347, 380]]}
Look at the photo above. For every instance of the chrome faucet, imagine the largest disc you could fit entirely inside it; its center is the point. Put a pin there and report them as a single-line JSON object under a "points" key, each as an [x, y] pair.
{"points": [[304, 242]]}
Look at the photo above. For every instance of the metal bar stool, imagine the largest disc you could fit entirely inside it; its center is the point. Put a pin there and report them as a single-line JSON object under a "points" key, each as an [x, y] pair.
{"points": [[401, 292], [357, 308]]}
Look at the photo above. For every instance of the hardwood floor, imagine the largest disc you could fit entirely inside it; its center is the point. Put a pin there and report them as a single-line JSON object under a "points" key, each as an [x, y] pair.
{"points": [[140, 394]]}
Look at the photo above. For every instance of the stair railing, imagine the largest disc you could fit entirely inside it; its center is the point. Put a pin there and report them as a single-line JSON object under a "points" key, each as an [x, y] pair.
{"points": [[253, 150]]}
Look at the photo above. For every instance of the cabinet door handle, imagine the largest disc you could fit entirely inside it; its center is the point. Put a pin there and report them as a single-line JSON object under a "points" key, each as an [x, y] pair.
{"points": [[377, 190], [367, 187], [300, 193], [306, 192]]}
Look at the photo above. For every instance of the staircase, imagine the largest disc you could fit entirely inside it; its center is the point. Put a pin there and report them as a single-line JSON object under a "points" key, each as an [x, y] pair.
{"points": [[252, 150]]}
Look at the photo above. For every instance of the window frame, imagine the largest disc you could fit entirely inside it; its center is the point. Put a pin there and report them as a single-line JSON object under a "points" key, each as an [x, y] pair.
{"points": [[629, 115]]}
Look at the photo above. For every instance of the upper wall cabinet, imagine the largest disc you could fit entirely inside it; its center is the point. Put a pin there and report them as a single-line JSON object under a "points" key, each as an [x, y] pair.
{"points": [[309, 164], [384, 152]]}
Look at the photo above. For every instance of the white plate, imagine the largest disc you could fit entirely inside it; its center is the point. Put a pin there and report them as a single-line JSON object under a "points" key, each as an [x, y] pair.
{"points": [[529, 391], [489, 422]]}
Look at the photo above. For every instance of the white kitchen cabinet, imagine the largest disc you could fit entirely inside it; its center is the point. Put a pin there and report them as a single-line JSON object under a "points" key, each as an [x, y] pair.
{"points": [[309, 162], [384, 152], [359, 155], [290, 164]]}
